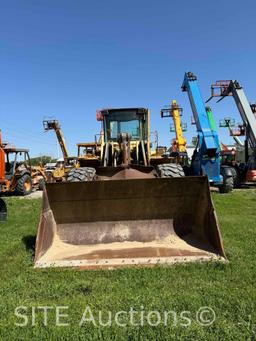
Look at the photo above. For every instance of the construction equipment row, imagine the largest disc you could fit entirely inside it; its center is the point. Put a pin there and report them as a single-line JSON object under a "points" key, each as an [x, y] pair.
{"points": [[120, 203]]}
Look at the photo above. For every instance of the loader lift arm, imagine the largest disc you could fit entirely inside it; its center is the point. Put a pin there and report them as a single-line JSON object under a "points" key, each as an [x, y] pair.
{"points": [[206, 158], [55, 125]]}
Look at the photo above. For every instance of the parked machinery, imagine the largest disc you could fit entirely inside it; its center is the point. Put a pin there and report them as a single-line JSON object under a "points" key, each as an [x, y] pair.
{"points": [[178, 147], [88, 153], [122, 206], [206, 157], [107, 150], [246, 172], [62, 167], [229, 123], [54, 125], [16, 173], [233, 157]]}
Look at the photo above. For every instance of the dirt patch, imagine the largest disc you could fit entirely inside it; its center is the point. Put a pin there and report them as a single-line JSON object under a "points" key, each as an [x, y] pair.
{"points": [[165, 245]]}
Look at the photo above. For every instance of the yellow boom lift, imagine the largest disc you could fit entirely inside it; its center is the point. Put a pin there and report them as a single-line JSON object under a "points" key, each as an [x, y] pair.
{"points": [[178, 147], [54, 125], [68, 162]]}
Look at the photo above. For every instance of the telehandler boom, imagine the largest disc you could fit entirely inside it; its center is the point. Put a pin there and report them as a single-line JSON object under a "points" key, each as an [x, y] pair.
{"points": [[54, 125], [223, 88], [206, 157]]}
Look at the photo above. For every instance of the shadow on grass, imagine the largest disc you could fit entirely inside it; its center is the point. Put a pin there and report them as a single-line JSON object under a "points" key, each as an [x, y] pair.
{"points": [[83, 290], [30, 242]]}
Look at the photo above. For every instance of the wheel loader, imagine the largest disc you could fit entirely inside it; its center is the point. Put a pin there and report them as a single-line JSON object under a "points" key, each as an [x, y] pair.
{"points": [[124, 205], [16, 173]]}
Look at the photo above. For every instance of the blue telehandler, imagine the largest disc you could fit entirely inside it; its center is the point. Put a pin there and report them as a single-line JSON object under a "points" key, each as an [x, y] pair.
{"points": [[206, 159], [245, 171]]}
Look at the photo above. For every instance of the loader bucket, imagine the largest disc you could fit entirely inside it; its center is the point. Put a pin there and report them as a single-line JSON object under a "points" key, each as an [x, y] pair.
{"points": [[127, 222]]}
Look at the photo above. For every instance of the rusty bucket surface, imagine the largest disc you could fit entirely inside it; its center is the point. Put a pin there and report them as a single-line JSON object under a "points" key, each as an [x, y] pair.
{"points": [[127, 222]]}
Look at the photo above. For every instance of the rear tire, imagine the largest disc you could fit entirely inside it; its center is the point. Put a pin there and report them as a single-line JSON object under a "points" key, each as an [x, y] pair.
{"points": [[170, 170], [81, 174], [41, 184], [49, 176], [236, 178], [228, 185], [24, 185]]}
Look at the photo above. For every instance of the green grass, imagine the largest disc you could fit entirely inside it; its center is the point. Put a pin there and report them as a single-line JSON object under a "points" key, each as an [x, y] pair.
{"points": [[229, 289]]}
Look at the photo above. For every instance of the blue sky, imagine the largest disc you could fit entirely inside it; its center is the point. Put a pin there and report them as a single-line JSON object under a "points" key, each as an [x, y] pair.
{"points": [[68, 58]]}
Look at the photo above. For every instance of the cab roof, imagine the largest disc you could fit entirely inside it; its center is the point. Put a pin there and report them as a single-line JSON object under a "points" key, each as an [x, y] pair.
{"points": [[109, 110]]}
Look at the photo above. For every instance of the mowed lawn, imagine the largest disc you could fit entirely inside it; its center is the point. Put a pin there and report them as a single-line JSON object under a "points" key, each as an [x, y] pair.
{"points": [[227, 289]]}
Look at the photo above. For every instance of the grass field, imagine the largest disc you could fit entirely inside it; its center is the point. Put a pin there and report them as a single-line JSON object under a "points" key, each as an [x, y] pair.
{"points": [[228, 289]]}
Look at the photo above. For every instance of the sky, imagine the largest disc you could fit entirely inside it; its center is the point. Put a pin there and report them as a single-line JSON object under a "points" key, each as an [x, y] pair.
{"points": [[66, 59]]}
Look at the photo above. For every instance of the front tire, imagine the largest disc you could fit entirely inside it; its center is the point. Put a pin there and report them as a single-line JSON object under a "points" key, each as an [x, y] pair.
{"points": [[24, 185], [228, 184], [41, 184], [170, 170], [236, 178], [81, 174]]}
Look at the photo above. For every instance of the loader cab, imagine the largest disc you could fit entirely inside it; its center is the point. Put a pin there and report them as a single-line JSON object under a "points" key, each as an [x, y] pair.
{"points": [[16, 161], [132, 121], [125, 139]]}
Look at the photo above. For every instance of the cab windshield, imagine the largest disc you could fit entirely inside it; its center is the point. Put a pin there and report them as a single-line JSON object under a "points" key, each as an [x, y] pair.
{"points": [[123, 122], [130, 127]]}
